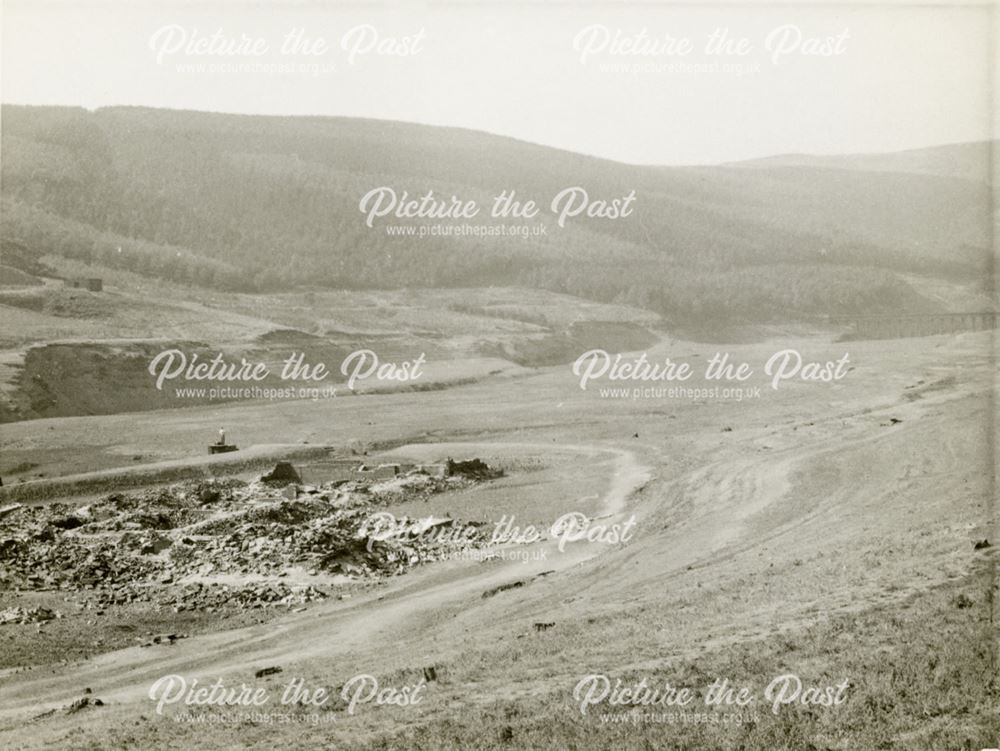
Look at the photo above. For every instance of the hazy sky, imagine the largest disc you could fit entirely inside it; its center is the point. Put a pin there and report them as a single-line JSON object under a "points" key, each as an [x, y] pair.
{"points": [[902, 76]]}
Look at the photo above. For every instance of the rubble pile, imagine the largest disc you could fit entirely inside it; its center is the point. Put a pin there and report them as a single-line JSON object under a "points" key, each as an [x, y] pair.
{"points": [[209, 596], [473, 469], [50, 559], [416, 485], [28, 615], [217, 544]]}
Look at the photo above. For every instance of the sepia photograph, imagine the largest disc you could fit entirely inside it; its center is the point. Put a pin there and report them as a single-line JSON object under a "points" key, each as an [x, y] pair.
{"points": [[499, 375]]}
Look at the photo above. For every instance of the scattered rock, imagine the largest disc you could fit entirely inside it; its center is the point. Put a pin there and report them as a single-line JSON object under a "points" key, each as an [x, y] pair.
{"points": [[82, 704], [28, 615], [284, 473], [474, 469], [963, 601], [152, 546], [168, 639], [503, 588], [209, 494], [67, 522]]}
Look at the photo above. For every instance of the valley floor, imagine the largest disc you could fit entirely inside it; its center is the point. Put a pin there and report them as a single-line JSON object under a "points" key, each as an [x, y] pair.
{"points": [[823, 530]]}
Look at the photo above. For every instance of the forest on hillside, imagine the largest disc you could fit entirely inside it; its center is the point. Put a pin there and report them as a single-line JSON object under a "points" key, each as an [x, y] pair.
{"points": [[268, 204]]}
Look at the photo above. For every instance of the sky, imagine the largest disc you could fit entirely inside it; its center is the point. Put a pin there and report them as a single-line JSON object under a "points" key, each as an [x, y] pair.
{"points": [[584, 77]]}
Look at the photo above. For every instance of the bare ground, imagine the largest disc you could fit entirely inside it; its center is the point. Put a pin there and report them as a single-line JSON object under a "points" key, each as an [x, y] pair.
{"points": [[821, 504]]}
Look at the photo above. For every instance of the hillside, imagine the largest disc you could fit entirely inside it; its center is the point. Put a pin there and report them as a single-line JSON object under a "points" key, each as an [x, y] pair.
{"points": [[253, 203], [59, 346], [965, 161]]}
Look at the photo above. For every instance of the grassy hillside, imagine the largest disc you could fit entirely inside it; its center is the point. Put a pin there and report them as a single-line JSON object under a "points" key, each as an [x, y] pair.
{"points": [[257, 203], [61, 347], [966, 161]]}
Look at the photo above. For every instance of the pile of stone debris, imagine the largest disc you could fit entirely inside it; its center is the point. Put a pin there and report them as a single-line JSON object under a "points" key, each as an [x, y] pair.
{"points": [[209, 597], [28, 615], [183, 547]]}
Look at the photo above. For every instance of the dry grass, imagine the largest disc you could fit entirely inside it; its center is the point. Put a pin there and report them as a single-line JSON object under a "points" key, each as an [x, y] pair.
{"points": [[922, 677]]}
